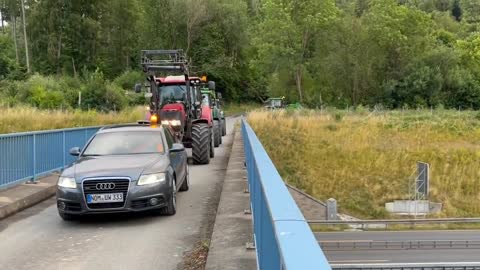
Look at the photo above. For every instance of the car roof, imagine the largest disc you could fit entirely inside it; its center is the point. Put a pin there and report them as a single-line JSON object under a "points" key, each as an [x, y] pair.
{"points": [[129, 128]]}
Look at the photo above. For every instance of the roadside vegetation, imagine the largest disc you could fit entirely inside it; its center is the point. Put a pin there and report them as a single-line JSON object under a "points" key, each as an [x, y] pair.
{"points": [[23, 118], [232, 109], [365, 159], [342, 53]]}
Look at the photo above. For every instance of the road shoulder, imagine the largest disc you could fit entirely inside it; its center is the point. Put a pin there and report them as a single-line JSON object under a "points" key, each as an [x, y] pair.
{"points": [[233, 228], [19, 197]]}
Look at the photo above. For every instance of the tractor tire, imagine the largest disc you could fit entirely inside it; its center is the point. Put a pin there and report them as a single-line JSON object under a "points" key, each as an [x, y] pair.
{"points": [[224, 127], [212, 146], [217, 133], [201, 143]]}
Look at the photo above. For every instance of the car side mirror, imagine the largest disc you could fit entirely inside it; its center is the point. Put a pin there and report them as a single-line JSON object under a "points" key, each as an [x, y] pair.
{"points": [[138, 88], [75, 151], [177, 147], [219, 95], [211, 85]]}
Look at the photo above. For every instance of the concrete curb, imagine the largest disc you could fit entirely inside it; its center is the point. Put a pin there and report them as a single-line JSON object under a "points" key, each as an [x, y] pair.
{"points": [[233, 228], [22, 202]]}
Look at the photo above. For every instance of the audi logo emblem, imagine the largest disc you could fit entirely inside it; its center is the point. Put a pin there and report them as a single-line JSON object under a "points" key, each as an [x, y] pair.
{"points": [[105, 186]]}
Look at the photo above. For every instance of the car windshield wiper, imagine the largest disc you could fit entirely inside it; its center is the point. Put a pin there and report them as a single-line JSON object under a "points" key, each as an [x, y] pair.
{"points": [[92, 155]]}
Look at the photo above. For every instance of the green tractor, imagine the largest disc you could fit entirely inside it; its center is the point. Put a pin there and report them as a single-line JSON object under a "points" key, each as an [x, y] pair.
{"points": [[209, 97]]}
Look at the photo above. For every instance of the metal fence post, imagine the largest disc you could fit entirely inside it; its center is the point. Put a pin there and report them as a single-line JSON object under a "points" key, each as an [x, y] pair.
{"points": [[64, 150], [34, 160]]}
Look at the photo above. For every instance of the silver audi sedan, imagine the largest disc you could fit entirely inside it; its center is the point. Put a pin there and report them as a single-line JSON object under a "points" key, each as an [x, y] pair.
{"points": [[124, 168]]}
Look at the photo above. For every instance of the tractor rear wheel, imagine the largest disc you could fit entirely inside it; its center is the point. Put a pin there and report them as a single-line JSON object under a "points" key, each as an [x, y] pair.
{"points": [[217, 133], [212, 147], [201, 143], [224, 127]]}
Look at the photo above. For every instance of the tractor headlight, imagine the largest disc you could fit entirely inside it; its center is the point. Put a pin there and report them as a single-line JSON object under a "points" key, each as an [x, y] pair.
{"points": [[148, 179], [175, 123], [67, 182], [172, 122]]}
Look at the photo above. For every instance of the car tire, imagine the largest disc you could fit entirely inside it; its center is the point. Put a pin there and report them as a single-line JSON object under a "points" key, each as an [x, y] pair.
{"points": [[224, 127], [186, 182], [201, 143], [66, 217], [217, 133], [171, 207]]}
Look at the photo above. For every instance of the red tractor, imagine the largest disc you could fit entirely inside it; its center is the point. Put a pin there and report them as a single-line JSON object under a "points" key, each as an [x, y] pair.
{"points": [[176, 100]]}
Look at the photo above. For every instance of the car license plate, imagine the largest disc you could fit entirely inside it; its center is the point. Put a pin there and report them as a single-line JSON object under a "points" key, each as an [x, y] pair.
{"points": [[105, 198]]}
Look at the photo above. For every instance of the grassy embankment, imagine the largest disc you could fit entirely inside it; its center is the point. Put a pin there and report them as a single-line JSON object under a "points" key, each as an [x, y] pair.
{"points": [[22, 118], [232, 109], [365, 159]]}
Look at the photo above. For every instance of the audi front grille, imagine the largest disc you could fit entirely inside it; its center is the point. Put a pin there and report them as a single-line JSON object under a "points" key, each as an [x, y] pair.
{"points": [[121, 186]]}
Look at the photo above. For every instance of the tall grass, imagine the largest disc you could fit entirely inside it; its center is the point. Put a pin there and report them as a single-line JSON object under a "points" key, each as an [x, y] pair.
{"points": [[365, 159], [232, 109], [22, 118]]}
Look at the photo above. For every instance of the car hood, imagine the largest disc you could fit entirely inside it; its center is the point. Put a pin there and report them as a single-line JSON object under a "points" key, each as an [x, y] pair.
{"points": [[107, 166]]}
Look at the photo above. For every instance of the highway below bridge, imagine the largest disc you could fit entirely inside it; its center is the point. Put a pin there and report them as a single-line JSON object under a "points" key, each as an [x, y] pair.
{"points": [[392, 247], [37, 238]]}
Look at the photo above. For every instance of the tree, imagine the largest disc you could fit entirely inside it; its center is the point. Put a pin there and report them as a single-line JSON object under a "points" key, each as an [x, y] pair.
{"points": [[470, 11], [285, 35]]}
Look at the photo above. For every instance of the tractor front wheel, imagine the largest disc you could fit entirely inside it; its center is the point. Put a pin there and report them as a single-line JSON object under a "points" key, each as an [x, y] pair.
{"points": [[224, 127], [201, 143], [217, 133], [212, 147]]}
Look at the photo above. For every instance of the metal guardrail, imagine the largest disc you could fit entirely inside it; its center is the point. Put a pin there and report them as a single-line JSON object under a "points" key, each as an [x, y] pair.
{"points": [[28, 155], [396, 221], [398, 245], [409, 266], [283, 238]]}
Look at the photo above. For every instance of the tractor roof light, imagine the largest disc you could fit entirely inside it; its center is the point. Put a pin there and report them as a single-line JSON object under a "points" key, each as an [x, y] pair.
{"points": [[154, 119]]}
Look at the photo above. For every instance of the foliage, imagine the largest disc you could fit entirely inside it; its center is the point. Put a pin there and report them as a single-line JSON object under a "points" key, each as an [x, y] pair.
{"points": [[415, 53], [365, 159]]}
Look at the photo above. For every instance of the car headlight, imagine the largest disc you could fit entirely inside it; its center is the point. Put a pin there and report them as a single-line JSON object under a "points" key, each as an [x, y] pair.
{"points": [[148, 179], [67, 182], [165, 122]]}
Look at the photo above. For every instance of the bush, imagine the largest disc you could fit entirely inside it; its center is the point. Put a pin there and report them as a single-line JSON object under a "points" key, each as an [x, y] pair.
{"points": [[128, 79]]}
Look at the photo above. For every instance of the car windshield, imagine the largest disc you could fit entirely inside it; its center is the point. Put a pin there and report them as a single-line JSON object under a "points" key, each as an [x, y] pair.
{"points": [[172, 93], [125, 143]]}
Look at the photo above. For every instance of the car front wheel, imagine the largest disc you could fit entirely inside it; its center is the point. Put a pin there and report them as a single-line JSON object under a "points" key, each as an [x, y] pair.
{"points": [[171, 207], [186, 182]]}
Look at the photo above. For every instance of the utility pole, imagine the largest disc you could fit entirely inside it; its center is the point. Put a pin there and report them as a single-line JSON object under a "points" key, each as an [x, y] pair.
{"points": [[25, 36]]}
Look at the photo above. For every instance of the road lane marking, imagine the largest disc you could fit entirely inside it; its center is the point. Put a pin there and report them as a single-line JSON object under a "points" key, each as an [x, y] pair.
{"points": [[386, 265], [345, 241], [359, 261]]}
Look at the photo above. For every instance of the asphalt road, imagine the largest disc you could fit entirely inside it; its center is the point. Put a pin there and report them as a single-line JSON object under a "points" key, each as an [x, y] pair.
{"points": [[349, 256], [38, 239]]}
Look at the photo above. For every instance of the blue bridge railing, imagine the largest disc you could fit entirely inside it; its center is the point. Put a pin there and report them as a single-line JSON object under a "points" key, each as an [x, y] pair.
{"points": [[283, 239], [28, 155]]}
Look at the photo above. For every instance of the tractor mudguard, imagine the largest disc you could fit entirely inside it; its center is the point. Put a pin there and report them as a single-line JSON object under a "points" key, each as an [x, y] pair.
{"points": [[207, 115], [200, 121]]}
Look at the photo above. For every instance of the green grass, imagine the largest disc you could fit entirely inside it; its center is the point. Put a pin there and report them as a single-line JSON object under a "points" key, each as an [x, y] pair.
{"points": [[231, 109], [366, 159], [19, 119]]}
